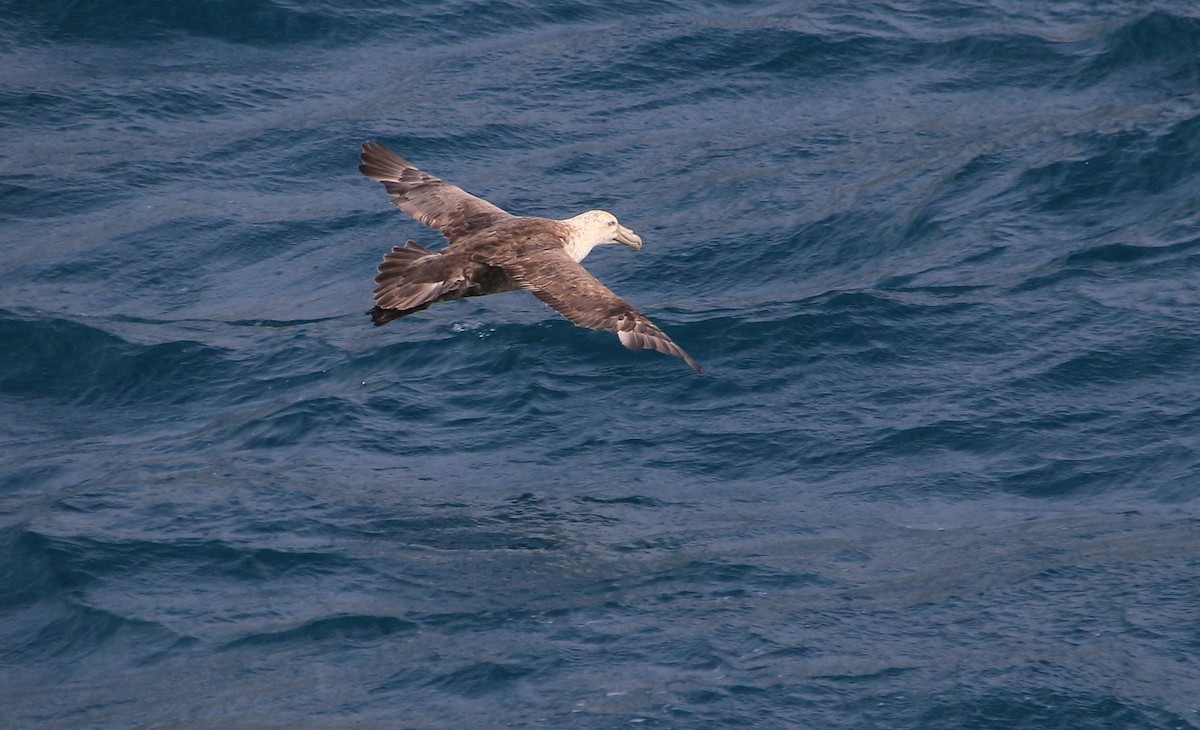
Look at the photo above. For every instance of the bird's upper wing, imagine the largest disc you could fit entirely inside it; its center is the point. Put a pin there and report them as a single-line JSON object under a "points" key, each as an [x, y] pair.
{"points": [[555, 278], [435, 203]]}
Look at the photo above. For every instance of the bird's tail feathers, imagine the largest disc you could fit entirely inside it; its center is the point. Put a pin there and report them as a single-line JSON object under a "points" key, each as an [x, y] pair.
{"points": [[396, 293]]}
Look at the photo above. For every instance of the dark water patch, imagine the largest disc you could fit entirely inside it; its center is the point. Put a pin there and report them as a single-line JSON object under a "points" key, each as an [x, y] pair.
{"points": [[468, 622], [633, 501], [297, 424], [28, 476], [512, 527], [342, 629], [1127, 253], [83, 562], [1165, 47], [1123, 165], [714, 577], [795, 54], [431, 383], [407, 527], [80, 631], [982, 185], [1037, 707], [77, 363], [45, 105], [470, 681], [434, 149], [479, 679], [943, 434], [39, 199], [482, 539], [288, 167], [131, 256], [257, 22], [1055, 277], [467, 23], [841, 246], [1057, 478], [27, 574], [993, 60], [161, 105], [1123, 268], [868, 328], [1140, 356], [149, 173], [729, 51], [977, 56], [255, 324], [161, 99], [29, 198], [1156, 48]]}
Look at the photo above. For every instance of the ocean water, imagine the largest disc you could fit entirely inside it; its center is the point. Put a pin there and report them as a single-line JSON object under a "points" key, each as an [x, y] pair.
{"points": [[940, 261]]}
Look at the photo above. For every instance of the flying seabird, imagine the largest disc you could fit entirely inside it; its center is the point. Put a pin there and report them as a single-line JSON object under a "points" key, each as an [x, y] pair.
{"points": [[493, 251]]}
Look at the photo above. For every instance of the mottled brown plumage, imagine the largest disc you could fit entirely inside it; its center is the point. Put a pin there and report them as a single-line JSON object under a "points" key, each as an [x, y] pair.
{"points": [[493, 251]]}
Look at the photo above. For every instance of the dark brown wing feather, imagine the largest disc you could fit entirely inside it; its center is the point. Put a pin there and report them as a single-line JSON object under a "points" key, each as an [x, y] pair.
{"points": [[570, 290], [435, 203]]}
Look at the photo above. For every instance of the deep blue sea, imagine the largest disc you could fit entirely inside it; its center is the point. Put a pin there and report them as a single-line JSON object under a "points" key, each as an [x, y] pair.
{"points": [[939, 260]]}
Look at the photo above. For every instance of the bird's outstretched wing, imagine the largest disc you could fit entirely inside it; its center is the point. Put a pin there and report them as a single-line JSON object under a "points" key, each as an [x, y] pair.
{"points": [[568, 288], [437, 204]]}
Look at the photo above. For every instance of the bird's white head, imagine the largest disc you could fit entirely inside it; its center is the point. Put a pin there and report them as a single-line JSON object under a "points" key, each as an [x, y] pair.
{"points": [[594, 228]]}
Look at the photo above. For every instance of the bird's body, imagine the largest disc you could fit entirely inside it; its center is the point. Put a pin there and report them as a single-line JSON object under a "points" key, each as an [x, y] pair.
{"points": [[493, 251]]}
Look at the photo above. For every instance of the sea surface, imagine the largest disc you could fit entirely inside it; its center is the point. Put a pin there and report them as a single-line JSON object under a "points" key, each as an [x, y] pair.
{"points": [[939, 260]]}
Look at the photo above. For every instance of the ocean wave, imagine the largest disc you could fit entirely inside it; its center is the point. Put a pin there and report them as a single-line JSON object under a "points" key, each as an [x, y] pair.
{"points": [[1125, 165], [256, 21], [343, 628], [82, 364], [1165, 44]]}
